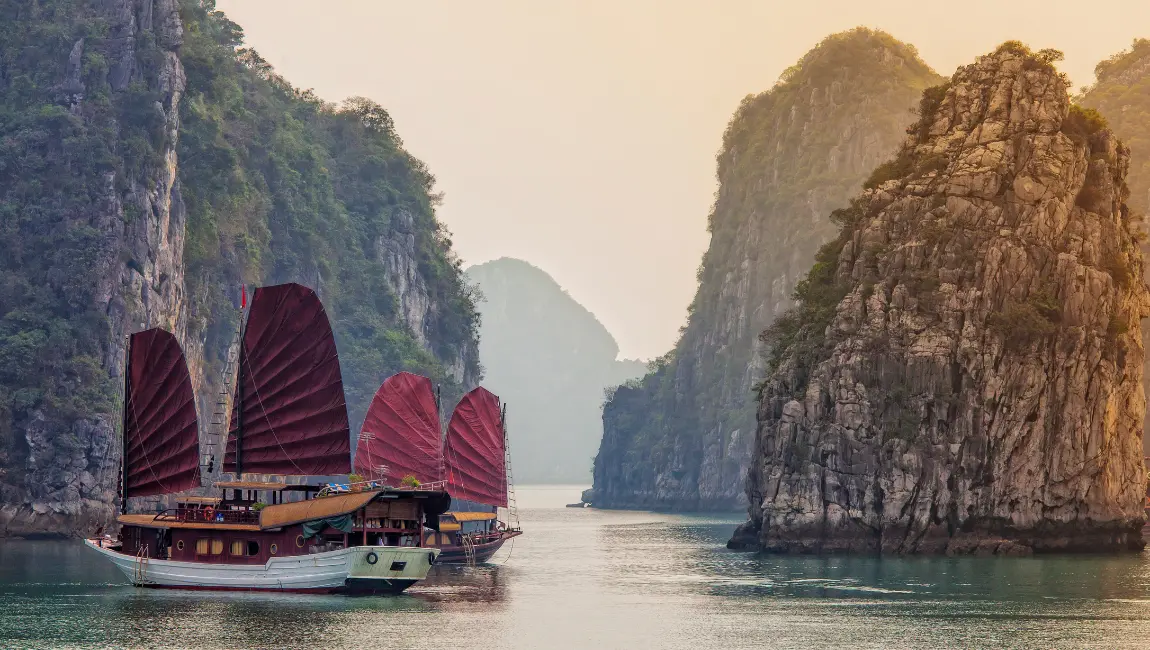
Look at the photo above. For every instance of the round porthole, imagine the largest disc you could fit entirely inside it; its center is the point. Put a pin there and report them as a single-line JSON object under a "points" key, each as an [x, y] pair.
{"points": [[179, 545], [299, 541], [274, 548]]}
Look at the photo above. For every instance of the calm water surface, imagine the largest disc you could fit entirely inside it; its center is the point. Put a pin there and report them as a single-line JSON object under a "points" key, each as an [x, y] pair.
{"points": [[600, 579]]}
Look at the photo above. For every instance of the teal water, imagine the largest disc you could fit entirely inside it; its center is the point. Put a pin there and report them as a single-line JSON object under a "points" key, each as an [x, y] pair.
{"points": [[600, 579]]}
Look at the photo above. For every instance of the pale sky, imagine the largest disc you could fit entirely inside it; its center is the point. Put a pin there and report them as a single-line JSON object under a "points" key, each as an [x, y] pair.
{"points": [[580, 135]]}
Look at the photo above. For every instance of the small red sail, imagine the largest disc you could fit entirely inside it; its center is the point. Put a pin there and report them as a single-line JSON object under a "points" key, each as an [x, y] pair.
{"points": [[161, 434], [401, 432], [288, 413], [473, 451]]}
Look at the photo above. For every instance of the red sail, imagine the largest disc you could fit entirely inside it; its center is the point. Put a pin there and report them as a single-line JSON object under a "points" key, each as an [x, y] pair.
{"points": [[401, 432], [473, 450], [289, 392], [161, 435]]}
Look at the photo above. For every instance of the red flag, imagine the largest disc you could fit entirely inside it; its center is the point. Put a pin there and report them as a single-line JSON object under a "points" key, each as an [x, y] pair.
{"points": [[243, 296]]}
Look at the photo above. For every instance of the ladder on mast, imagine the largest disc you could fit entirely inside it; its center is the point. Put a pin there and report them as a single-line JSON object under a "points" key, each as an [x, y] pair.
{"points": [[218, 427]]}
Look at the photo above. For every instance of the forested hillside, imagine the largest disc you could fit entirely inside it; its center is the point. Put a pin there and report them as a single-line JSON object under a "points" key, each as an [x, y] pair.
{"points": [[149, 165]]}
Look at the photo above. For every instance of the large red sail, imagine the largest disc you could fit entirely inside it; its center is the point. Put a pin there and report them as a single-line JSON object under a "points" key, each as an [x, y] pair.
{"points": [[400, 435], [473, 450], [161, 434], [289, 415]]}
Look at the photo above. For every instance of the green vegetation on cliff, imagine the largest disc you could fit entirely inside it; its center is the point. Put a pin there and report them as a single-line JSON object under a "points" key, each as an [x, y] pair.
{"points": [[281, 186], [149, 164], [58, 157], [680, 437], [1122, 95]]}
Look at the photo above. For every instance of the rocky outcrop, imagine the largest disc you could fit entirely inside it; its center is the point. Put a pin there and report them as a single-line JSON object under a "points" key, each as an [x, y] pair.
{"points": [[63, 475], [549, 359], [681, 438], [963, 372], [1122, 94]]}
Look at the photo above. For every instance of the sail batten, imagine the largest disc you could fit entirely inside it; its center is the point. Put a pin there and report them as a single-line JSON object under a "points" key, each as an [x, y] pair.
{"points": [[289, 414], [474, 450], [401, 432], [161, 431]]}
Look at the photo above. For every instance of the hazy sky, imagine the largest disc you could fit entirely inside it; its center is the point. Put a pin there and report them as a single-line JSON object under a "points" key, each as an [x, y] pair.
{"points": [[580, 135]]}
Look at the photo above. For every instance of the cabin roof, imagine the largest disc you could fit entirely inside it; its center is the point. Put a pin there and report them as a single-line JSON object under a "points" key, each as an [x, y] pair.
{"points": [[150, 521], [471, 516], [286, 514]]}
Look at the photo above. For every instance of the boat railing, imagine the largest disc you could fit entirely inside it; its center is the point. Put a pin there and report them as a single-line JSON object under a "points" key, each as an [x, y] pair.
{"points": [[359, 486], [209, 516]]}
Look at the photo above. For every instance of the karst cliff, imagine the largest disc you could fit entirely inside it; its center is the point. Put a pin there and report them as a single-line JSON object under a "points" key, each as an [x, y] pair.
{"points": [[681, 437], [963, 372], [149, 165]]}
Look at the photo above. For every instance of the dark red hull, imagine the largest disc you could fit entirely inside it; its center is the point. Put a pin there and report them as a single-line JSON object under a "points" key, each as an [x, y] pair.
{"points": [[452, 554]]}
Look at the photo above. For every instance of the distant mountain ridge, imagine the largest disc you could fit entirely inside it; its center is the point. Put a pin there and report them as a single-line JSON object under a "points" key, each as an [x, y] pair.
{"points": [[550, 359]]}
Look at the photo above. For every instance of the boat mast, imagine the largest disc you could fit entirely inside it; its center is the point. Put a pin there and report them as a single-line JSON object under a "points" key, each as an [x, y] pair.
{"points": [[124, 427]]}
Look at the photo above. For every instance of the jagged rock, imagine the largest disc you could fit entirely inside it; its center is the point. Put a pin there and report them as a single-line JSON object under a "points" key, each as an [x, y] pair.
{"points": [[964, 372], [682, 438]]}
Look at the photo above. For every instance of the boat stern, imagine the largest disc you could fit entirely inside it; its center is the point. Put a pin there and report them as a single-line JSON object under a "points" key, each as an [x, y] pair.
{"points": [[387, 569]]}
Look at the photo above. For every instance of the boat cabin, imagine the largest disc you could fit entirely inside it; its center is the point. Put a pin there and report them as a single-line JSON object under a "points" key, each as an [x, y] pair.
{"points": [[238, 528]]}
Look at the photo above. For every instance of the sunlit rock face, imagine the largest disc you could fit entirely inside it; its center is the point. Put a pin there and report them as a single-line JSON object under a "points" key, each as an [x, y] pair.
{"points": [[976, 385], [681, 438]]}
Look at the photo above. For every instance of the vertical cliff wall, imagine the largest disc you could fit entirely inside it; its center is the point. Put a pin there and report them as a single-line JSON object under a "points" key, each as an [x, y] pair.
{"points": [[148, 166], [681, 437], [1122, 94], [963, 372]]}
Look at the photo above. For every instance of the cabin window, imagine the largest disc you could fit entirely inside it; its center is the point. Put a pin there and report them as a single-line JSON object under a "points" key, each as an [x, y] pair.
{"points": [[217, 546], [253, 548], [179, 545], [430, 539], [237, 547], [445, 539], [299, 541], [202, 546], [273, 549]]}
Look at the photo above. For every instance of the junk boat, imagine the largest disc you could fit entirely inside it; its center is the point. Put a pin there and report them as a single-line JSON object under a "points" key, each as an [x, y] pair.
{"points": [[288, 418], [401, 443]]}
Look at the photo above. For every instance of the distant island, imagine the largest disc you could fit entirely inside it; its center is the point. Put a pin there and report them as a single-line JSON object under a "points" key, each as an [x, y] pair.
{"points": [[550, 360]]}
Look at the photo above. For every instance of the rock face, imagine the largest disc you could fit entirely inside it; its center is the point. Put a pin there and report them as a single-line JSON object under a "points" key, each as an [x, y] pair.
{"points": [[681, 437], [1122, 94], [148, 166], [963, 372], [550, 360]]}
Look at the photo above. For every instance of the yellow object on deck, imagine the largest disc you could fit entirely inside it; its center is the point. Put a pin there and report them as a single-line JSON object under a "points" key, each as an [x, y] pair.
{"points": [[447, 527], [471, 516], [296, 512]]}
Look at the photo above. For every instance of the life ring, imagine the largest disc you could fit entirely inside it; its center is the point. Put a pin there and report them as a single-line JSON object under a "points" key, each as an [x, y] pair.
{"points": [[372, 558], [209, 512]]}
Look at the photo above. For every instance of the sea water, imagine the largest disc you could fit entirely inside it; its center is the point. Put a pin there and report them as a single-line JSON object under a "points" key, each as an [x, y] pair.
{"points": [[585, 578]]}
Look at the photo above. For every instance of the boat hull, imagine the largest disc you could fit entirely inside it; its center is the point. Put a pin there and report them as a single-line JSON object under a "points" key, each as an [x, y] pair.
{"points": [[483, 552], [359, 569]]}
